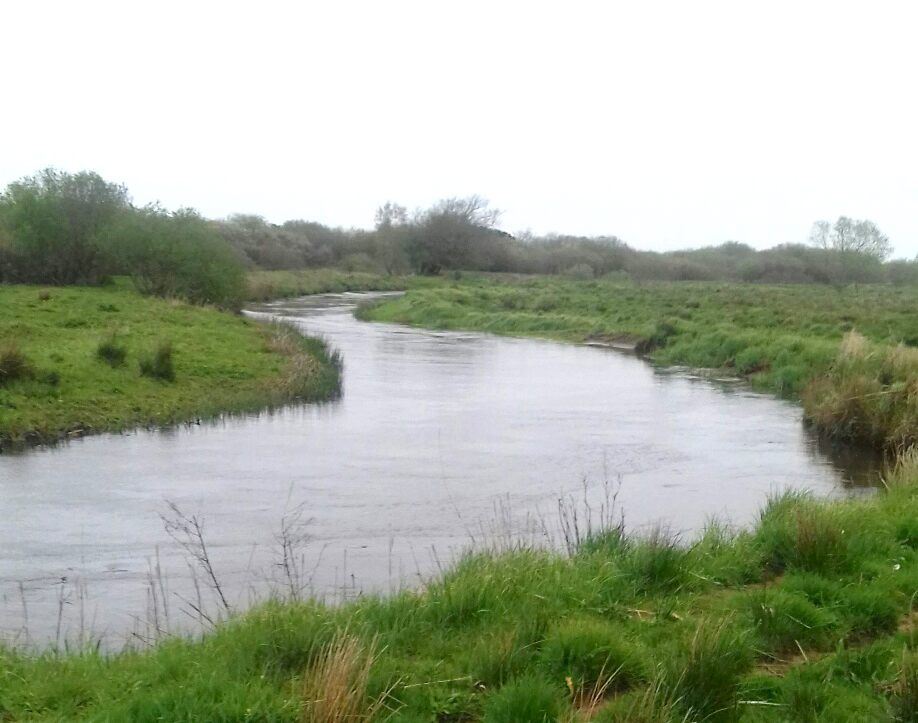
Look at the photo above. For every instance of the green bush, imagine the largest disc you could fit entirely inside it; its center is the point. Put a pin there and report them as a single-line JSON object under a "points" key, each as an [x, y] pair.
{"points": [[177, 254], [56, 222]]}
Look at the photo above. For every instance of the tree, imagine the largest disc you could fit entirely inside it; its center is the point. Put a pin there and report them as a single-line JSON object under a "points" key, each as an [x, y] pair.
{"points": [[178, 254], [850, 235], [456, 233], [391, 236], [390, 214], [854, 249], [54, 221]]}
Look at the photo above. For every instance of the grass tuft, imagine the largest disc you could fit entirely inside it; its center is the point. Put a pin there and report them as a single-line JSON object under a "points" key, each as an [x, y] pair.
{"points": [[657, 563], [335, 687], [592, 654], [799, 533], [706, 678], [158, 364], [786, 622], [528, 699], [112, 350], [13, 364]]}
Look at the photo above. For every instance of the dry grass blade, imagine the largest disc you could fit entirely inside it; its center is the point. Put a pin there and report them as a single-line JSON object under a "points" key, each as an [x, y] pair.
{"points": [[335, 687]]}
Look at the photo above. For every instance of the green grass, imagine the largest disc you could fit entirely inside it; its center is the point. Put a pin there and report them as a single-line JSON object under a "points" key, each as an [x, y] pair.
{"points": [[531, 634], [88, 360], [847, 354]]}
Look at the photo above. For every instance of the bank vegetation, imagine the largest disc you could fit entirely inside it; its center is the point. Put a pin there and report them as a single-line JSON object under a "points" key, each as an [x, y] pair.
{"points": [[82, 360]]}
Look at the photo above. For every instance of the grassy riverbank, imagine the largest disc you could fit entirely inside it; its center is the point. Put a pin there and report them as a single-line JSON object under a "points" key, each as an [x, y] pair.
{"points": [[808, 617], [77, 360], [846, 353]]}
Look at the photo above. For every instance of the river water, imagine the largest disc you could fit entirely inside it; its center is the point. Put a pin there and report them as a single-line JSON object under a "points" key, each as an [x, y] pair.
{"points": [[440, 440]]}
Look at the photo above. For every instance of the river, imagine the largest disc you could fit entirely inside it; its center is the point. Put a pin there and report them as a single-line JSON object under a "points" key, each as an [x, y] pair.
{"points": [[440, 440]]}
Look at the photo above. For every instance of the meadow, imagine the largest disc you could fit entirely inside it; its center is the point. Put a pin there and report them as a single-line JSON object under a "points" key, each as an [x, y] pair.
{"points": [[847, 353], [80, 360], [810, 616]]}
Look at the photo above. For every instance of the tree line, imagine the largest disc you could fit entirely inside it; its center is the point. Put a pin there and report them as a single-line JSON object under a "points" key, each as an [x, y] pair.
{"points": [[62, 228], [59, 228]]}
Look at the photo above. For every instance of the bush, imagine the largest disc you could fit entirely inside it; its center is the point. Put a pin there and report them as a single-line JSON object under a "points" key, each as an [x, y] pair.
{"points": [[158, 363], [177, 254], [55, 221], [111, 351], [13, 364]]}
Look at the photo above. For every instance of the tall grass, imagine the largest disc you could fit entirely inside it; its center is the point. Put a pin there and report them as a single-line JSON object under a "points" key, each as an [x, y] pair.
{"points": [[594, 656], [158, 363], [313, 370], [706, 678], [111, 350], [14, 365], [335, 687], [528, 699]]}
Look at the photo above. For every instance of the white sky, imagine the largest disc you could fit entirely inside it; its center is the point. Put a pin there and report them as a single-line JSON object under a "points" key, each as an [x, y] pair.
{"points": [[668, 124]]}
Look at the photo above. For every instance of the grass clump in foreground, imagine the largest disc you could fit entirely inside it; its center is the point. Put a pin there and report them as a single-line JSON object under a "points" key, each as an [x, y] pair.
{"points": [[809, 616], [64, 363], [848, 354]]}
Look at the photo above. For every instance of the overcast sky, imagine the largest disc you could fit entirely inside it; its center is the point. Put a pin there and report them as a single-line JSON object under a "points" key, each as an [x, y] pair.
{"points": [[670, 125]]}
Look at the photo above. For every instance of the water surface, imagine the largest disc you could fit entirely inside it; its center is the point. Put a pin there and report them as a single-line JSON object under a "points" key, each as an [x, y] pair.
{"points": [[436, 435]]}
